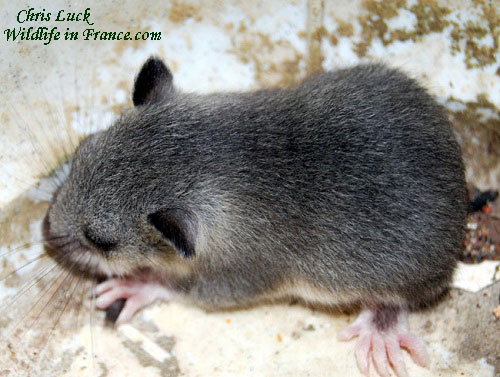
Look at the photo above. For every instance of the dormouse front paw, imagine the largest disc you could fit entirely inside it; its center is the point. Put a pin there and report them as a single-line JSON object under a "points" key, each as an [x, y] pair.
{"points": [[136, 293]]}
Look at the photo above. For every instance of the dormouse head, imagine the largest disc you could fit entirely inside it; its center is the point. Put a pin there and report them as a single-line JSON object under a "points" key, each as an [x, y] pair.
{"points": [[123, 206]]}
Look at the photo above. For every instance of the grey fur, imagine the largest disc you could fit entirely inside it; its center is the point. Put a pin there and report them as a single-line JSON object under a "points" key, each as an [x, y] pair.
{"points": [[350, 184]]}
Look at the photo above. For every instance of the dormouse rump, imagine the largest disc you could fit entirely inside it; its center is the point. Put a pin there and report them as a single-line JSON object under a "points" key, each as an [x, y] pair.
{"points": [[347, 189]]}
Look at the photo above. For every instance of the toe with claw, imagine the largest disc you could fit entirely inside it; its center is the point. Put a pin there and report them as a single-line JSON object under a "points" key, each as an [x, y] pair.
{"points": [[381, 335], [137, 294]]}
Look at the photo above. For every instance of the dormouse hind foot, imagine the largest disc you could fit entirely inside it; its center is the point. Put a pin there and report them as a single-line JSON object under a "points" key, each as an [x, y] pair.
{"points": [[137, 294], [381, 335]]}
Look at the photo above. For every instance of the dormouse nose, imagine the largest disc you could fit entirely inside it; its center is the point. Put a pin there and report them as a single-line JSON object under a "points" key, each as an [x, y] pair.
{"points": [[51, 238], [98, 240]]}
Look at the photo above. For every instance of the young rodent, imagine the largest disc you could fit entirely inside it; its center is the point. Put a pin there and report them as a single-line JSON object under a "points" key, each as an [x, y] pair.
{"points": [[347, 189]]}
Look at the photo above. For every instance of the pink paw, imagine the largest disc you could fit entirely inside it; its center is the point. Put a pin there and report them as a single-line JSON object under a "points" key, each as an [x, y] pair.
{"points": [[137, 294], [381, 334]]}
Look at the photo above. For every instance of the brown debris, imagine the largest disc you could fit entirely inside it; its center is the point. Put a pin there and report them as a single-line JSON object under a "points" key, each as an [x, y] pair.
{"points": [[181, 11], [482, 240], [497, 312]]}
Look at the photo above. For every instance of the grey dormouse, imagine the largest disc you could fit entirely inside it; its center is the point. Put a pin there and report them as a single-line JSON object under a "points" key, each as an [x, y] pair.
{"points": [[347, 189]]}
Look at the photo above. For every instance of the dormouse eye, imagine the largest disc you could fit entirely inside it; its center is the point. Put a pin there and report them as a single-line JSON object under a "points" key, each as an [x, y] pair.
{"points": [[97, 241]]}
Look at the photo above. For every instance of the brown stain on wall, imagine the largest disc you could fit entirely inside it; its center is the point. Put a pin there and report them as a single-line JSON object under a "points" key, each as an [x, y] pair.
{"points": [[467, 39], [316, 58], [16, 219], [344, 29], [430, 18], [180, 11], [315, 33], [478, 129], [277, 64]]}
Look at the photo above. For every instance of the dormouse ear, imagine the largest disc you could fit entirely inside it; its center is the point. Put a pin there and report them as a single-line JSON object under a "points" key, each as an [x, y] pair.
{"points": [[153, 82], [177, 226]]}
